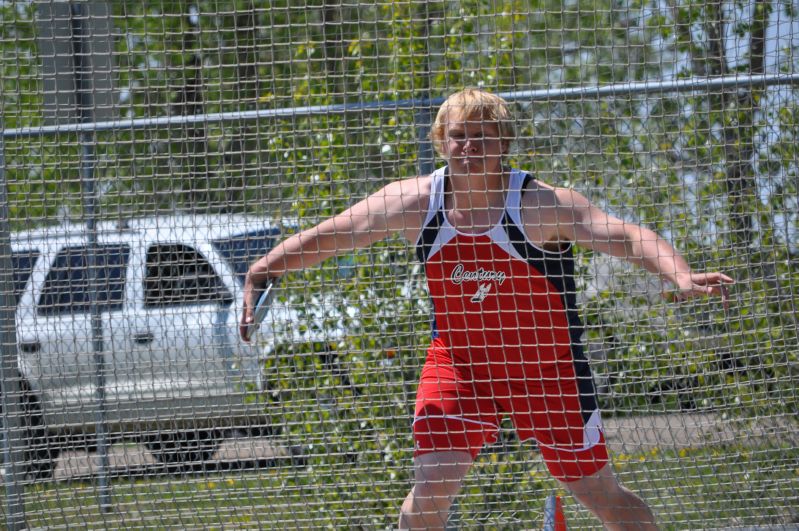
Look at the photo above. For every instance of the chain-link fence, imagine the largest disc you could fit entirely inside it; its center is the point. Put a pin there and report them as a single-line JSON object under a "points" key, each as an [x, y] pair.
{"points": [[151, 151]]}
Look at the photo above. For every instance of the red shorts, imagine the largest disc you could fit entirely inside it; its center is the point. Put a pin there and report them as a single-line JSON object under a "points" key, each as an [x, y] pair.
{"points": [[560, 413]]}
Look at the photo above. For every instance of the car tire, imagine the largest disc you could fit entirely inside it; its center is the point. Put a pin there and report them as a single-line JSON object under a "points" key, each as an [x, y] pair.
{"points": [[41, 453], [184, 450]]}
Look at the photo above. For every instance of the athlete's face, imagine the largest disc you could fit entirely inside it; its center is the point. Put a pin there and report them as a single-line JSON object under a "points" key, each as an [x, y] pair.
{"points": [[474, 146]]}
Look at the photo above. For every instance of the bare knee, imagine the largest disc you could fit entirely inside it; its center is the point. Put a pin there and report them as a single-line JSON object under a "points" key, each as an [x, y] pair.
{"points": [[437, 480], [427, 505], [616, 506]]}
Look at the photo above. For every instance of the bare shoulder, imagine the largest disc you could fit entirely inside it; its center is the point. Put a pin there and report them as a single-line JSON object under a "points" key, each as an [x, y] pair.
{"points": [[541, 195], [538, 194], [405, 204], [570, 198], [415, 188], [550, 211], [406, 194]]}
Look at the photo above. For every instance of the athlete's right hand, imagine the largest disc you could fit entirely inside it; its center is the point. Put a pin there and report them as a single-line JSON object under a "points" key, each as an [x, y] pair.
{"points": [[251, 288]]}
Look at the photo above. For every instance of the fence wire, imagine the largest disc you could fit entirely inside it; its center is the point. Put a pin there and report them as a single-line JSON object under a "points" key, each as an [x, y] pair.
{"points": [[153, 150]]}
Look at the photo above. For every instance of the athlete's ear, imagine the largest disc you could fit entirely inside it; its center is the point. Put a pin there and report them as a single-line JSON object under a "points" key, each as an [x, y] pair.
{"points": [[444, 151]]}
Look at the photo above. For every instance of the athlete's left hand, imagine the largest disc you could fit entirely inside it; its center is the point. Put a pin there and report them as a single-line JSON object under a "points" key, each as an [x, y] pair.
{"points": [[692, 285]]}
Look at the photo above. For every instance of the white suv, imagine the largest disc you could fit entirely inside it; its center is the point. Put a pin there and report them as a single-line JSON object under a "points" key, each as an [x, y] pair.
{"points": [[168, 291]]}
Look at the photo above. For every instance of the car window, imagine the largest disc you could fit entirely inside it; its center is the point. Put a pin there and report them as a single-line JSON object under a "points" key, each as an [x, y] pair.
{"points": [[68, 286], [243, 249], [177, 275], [22, 263]]}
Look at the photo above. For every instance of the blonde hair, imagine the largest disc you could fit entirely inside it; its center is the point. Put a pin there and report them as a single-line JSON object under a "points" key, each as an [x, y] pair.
{"points": [[472, 104]]}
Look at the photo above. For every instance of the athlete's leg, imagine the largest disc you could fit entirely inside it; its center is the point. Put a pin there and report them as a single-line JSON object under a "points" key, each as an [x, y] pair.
{"points": [[437, 480], [565, 419], [452, 422], [617, 507]]}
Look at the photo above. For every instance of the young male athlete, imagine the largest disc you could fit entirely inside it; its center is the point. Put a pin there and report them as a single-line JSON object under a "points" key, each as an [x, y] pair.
{"points": [[497, 248]]}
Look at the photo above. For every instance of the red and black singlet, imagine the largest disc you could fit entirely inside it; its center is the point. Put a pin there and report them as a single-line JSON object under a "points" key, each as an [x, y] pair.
{"points": [[504, 307]]}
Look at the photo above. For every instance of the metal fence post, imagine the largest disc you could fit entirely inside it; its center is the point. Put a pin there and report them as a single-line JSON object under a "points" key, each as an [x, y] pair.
{"points": [[425, 163], [10, 379], [85, 104]]}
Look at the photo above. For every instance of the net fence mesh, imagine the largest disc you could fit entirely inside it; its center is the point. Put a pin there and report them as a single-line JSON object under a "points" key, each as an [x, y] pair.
{"points": [[210, 129]]}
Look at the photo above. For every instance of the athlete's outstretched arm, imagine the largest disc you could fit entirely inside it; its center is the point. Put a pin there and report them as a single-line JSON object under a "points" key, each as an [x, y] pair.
{"points": [[395, 208], [593, 228]]}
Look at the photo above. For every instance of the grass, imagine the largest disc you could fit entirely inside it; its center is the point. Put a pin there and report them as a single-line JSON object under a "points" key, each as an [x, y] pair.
{"points": [[694, 488]]}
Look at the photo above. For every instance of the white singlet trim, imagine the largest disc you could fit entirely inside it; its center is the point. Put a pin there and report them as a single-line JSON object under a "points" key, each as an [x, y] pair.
{"points": [[455, 417], [497, 233]]}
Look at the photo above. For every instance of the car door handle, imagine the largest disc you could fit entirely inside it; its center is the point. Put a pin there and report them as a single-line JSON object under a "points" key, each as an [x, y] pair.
{"points": [[29, 347], [143, 338]]}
